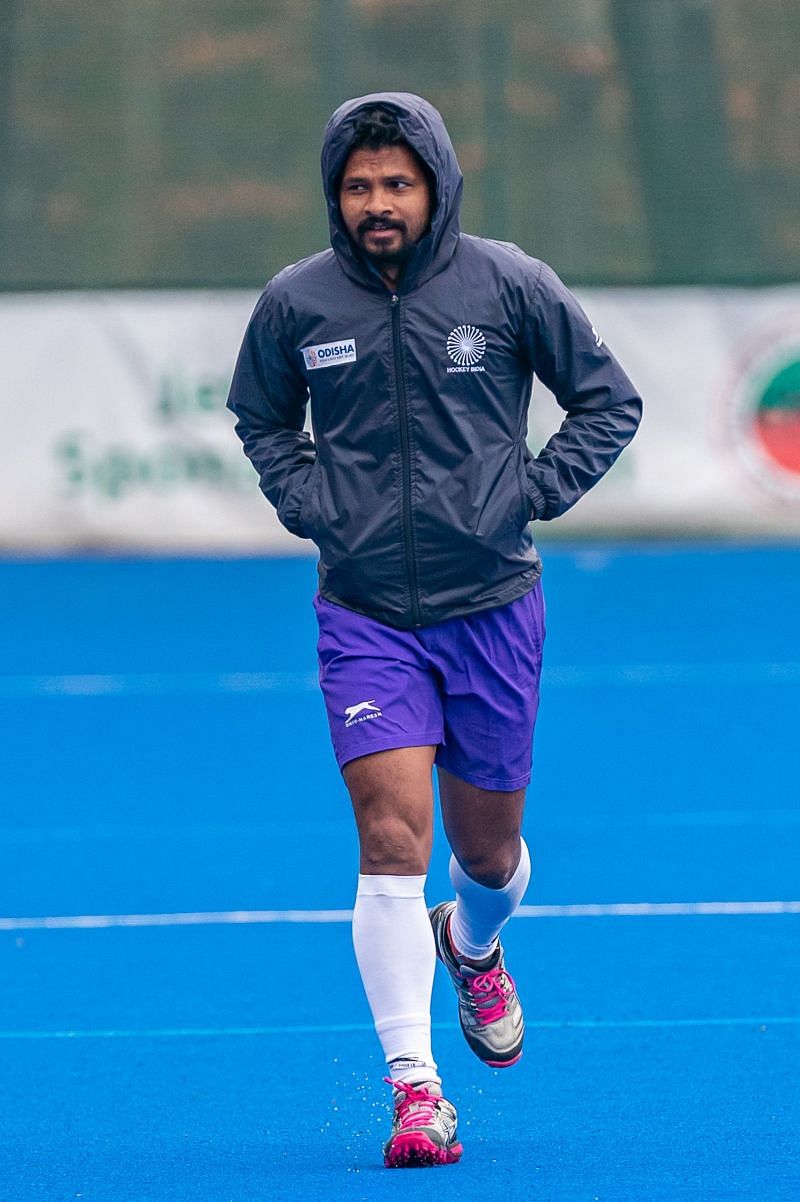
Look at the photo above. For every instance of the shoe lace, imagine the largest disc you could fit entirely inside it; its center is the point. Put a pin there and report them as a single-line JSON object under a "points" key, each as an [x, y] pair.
{"points": [[490, 992], [417, 1108]]}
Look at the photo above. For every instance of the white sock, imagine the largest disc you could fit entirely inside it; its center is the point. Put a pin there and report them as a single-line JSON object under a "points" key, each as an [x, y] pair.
{"points": [[396, 957], [481, 913]]}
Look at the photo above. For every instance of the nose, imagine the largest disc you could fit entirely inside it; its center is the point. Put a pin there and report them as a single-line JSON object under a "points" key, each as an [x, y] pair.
{"points": [[379, 202]]}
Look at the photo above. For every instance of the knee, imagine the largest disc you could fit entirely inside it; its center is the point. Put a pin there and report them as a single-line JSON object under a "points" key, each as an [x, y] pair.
{"points": [[390, 845], [492, 869]]}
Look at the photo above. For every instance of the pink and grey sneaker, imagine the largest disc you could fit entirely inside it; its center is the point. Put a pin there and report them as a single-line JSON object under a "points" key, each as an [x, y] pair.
{"points": [[488, 1007], [424, 1128]]}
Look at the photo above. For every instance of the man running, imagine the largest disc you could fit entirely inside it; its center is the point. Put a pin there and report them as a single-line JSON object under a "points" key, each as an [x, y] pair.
{"points": [[416, 346]]}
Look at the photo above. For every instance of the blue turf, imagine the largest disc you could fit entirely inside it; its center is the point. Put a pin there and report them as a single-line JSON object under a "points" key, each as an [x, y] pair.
{"points": [[665, 770]]}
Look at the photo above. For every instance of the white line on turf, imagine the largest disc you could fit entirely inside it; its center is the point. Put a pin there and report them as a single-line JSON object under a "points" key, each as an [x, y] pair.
{"points": [[655, 909], [761, 1023], [140, 684], [11, 836], [256, 917], [156, 684]]}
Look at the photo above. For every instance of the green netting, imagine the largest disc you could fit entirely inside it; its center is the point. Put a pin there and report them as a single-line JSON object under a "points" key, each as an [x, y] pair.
{"points": [[626, 141]]}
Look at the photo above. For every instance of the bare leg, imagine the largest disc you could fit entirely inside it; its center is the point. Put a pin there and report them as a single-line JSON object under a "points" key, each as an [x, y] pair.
{"points": [[490, 867], [483, 829], [392, 796]]}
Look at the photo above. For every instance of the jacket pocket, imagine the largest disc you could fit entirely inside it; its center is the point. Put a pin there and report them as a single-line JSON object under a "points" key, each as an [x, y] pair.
{"points": [[309, 506], [525, 503], [505, 508]]}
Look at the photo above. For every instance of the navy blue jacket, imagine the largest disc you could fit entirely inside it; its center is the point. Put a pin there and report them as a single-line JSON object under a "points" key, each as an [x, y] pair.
{"points": [[418, 485]]}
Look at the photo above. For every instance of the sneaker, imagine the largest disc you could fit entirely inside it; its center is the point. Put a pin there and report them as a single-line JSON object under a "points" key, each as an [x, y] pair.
{"points": [[488, 1007], [424, 1128]]}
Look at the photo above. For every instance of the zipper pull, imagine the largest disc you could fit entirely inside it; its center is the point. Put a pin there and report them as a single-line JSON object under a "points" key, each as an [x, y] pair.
{"points": [[395, 298]]}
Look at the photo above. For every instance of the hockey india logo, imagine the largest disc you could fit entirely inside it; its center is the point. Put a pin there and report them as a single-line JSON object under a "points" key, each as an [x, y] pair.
{"points": [[765, 414], [466, 345]]}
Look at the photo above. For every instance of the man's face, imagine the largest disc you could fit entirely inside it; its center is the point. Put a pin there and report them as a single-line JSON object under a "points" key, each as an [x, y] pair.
{"points": [[385, 202]]}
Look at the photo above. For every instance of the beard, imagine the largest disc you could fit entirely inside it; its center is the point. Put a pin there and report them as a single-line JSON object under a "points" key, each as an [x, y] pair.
{"points": [[394, 254], [390, 258]]}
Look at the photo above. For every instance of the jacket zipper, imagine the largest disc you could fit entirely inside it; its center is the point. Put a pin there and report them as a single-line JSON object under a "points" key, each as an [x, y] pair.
{"points": [[405, 454]]}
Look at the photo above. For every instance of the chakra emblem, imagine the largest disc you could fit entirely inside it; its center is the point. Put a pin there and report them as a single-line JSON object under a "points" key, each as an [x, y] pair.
{"points": [[466, 345]]}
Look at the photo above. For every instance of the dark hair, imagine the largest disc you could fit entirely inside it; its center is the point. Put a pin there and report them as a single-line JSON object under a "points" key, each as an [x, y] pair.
{"points": [[378, 127], [375, 128]]}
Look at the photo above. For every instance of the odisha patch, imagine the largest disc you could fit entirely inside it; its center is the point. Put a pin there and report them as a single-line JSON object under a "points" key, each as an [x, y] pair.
{"points": [[329, 354]]}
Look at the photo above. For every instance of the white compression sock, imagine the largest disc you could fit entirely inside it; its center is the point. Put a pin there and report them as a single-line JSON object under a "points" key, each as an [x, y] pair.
{"points": [[396, 957], [480, 912]]}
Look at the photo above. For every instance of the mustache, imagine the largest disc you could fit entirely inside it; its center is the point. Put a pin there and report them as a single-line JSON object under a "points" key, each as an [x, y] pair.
{"points": [[373, 223]]}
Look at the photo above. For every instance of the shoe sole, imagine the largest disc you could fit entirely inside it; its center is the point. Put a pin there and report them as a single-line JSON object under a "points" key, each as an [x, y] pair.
{"points": [[416, 1151], [500, 1063]]}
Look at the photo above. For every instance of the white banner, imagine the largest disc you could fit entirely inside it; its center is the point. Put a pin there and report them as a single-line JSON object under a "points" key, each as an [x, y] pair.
{"points": [[718, 450], [116, 433]]}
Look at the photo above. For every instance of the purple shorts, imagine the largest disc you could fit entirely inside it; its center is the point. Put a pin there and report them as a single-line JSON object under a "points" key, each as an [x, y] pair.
{"points": [[469, 686]]}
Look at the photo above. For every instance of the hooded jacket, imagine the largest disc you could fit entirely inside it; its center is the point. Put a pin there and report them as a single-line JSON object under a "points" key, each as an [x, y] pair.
{"points": [[418, 485]]}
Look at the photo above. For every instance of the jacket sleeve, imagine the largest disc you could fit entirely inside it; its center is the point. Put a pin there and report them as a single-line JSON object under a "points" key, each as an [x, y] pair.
{"points": [[269, 396], [603, 408]]}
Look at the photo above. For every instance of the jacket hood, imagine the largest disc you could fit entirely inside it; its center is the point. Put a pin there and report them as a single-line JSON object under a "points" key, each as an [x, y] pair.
{"points": [[424, 130]]}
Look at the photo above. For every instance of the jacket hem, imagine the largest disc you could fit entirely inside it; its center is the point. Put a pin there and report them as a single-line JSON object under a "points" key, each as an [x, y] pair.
{"points": [[522, 584]]}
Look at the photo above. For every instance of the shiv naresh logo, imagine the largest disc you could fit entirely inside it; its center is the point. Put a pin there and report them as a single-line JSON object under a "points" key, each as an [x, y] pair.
{"points": [[466, 346], [362, 711]]}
